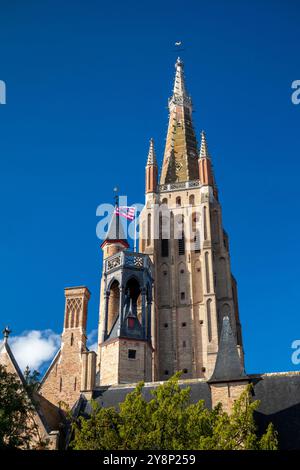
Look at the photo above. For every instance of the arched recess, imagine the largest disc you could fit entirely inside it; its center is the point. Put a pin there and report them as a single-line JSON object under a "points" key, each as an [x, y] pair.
{"points": [[198, 290], [205, 222], [191, 199], [196, 232], [225, 311], [148, 310], [209, 328], [215, 226], [179, 233], [164, 290], [207, 272], [132, 300], [113, 304], [142, 237], [222, 281], [182, 283], [164, 234], [149, 229]]}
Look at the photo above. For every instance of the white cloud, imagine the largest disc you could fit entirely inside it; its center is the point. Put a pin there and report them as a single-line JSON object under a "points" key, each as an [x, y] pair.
{"points": [[34, 348], [92, 343]]}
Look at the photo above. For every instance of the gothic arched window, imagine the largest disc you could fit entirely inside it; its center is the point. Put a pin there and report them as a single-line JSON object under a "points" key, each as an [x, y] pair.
{"points": [[149, 230]]}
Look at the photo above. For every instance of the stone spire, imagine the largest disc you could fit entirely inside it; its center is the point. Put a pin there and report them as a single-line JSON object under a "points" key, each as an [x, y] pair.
{"points": [[151, 160], [228, 366], [181, 144], [151, 170], [204, 153], [206, 174], [179, 90]]}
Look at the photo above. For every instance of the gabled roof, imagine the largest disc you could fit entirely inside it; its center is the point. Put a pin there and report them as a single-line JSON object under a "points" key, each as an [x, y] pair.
{"points": [[49, 415], [228, 366], [10, 359]]}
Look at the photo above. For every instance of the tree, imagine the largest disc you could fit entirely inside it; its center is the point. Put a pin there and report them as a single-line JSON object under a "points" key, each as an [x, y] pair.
{"points": [[18, 428], [170, 422]]}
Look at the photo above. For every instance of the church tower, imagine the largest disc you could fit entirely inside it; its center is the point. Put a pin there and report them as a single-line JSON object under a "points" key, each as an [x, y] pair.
{"points": [[181, 230]]}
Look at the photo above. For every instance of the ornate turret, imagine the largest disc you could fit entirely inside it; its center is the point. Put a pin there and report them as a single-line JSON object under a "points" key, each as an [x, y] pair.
{"points": [[151, 170], [125, 337], [180, 157], [205, 166]]}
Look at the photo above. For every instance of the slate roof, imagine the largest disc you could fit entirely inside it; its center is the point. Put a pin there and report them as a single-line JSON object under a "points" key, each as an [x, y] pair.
{"points": [[113, 395], [279, 396], [116, 230]]}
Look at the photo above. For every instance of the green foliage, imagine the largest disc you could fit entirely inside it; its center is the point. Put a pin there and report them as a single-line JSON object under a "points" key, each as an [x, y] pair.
{"points": [[32, 380], [269, 440], [169, 422], [18, 428], [14, 409]]}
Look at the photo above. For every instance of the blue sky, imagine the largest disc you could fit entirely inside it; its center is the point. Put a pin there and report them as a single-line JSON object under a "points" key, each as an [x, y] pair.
{"points": [[87, 86]]}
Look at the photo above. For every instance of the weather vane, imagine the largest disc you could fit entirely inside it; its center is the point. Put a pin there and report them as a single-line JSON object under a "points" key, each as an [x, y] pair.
{"points": [[178, 46]]}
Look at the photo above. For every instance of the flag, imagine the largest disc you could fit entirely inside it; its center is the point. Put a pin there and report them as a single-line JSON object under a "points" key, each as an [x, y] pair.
{"points": [[126, 211]]}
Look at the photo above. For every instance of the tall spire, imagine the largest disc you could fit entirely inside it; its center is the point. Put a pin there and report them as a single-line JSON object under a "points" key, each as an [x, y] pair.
{"points": [[181, 144], [151, 160]]}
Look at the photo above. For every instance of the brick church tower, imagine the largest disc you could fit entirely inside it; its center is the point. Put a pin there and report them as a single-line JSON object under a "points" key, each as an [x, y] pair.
{"points": [[162, 308], [181, 230]]}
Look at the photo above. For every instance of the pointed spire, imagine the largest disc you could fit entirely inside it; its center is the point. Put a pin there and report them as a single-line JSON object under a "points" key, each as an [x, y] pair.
{"points": [[204, 153], [181, 139], [151, 160], [115, 231], [179, 84], [228, 364]]}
